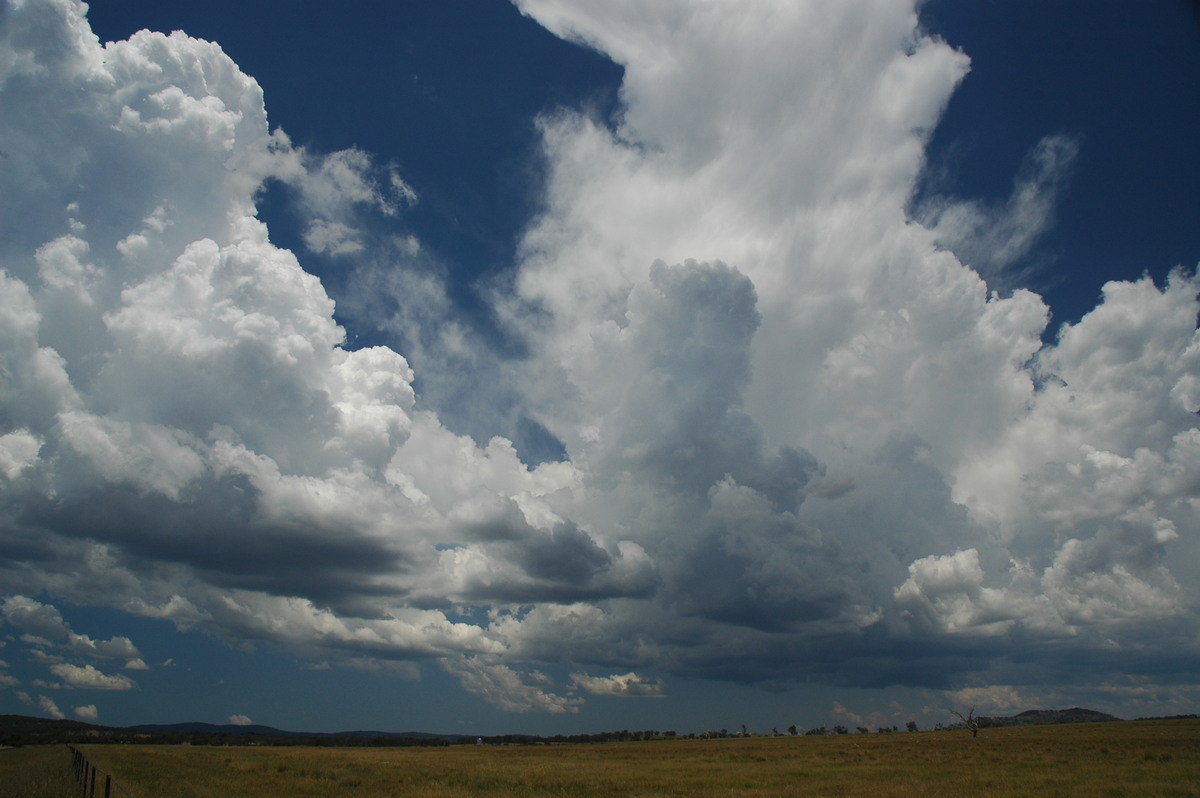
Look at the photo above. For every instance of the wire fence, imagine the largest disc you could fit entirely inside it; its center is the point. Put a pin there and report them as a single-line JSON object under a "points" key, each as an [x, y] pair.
{"points": [[93, 782]]}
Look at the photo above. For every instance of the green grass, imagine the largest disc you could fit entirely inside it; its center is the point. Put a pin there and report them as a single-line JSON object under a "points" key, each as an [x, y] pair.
{"points": [[38, 771], [1150, 758]]}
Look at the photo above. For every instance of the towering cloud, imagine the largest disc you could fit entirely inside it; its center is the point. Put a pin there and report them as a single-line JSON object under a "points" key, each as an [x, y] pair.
{"points": [[948, 466], [790, 412]]}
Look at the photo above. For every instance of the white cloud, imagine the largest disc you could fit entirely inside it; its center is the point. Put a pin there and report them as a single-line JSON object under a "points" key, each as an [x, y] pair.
{"points": [[87, 677], [48, 706], [39, 655], [332, 238], [508, 689], [628, 685], [350, 177], [992, 239], [239, 720], [787, 409], [885, 359], [30, 615], [18, 451], [87, 712], [46, 628], [336, 190], [947, 594]]}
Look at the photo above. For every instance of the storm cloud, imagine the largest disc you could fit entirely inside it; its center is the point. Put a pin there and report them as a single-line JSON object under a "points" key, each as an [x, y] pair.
{"points": [[804, 435]]}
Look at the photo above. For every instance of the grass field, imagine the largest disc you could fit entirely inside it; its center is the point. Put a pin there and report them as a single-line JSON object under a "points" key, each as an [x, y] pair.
{"points": [[39, 771], [1143, 758]]}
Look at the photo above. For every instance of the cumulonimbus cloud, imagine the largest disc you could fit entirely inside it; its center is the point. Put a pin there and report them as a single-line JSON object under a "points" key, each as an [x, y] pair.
{"points": [[787, 410]]}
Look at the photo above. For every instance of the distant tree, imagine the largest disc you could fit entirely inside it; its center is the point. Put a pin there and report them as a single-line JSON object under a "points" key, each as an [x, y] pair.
{"points": [[744, 733], [774, 731], [792, 730], [911, 725], [970, 721], [862, 729], [840, 730]]}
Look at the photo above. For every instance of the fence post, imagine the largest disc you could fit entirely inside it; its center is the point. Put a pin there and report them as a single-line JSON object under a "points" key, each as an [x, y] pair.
{"points": [[88, 774]]}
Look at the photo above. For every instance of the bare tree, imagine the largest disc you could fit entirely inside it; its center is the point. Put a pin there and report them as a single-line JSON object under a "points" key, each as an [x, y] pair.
{"points": [[970, 721]]}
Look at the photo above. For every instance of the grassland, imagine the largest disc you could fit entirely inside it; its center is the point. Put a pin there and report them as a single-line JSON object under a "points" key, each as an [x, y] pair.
{"points": [[39, 771], [1143, 758]]}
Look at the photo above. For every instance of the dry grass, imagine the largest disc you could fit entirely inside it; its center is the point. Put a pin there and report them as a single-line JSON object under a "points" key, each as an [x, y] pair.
{"points": [[1152, 758], [40, 771]]}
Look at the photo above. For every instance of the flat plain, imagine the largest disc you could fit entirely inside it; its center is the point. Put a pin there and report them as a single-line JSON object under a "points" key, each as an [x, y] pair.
{"points": [[1131, 758], [36, 771]]}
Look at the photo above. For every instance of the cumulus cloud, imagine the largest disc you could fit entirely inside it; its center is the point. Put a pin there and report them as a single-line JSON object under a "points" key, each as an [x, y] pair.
{"points": [[628, 685], [44, 627], [88, 677], [786, 410], [17, 450], [239, 720], [509, 689], [35, 618], [48, 706], [87, 712]]}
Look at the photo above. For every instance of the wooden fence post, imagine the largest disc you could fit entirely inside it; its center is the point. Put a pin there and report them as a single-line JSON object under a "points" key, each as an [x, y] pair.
{"points": [[88, 774]]}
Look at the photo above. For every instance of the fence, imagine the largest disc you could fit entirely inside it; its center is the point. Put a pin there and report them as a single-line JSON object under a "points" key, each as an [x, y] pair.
{"points": [[94, 782]]}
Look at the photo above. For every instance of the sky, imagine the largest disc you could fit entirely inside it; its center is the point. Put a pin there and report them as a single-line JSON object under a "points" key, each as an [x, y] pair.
{"points": [[563, 366]]}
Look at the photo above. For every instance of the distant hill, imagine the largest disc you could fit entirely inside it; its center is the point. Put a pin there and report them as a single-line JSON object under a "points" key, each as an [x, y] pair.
{"points": [[254, 728], [28, 730], [1044, 717], [209, 728], [1038, 717]]}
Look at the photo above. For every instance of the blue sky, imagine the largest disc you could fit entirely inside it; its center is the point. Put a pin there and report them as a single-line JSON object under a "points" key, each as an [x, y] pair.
{"points": [[561, 367]]}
